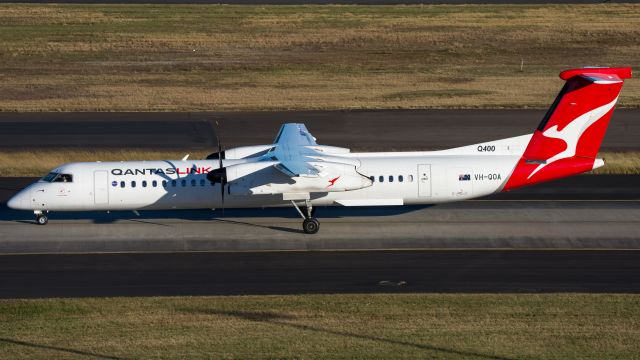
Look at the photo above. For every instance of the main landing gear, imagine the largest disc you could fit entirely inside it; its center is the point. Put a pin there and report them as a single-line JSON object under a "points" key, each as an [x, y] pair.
{"points": [[310, 225], [41, 217]]}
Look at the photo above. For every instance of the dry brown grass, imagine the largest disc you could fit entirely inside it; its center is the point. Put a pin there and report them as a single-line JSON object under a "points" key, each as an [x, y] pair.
{"points": [[620, 163], [218, 57], [33, 163], [552, 326]]}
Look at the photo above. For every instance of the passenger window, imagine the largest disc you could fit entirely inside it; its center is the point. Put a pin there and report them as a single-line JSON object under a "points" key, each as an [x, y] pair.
{"points": [[154, 183], [400, 178], [372, 178], [193, 182], [410, 178], [173, 183], [390, 178], [201, 182], [144, 183], [183, 183], [133, 184], [381, 179], [164, 183], [121, 184]]}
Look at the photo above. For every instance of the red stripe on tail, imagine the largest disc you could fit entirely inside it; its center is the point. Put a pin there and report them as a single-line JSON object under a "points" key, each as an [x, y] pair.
{"points": [[568, 139]]}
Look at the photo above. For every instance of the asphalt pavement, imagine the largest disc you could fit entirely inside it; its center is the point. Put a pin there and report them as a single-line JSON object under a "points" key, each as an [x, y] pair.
{"points": [[584, 212], [364, 130], [168, 274]]}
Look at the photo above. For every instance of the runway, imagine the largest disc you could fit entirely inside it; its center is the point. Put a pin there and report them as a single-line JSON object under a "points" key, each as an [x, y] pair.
{"points": [[41, 276], [359, 130], [585, 212]]}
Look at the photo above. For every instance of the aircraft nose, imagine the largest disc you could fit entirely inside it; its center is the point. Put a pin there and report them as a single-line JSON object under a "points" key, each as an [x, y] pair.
{"points": [[19, 201]]}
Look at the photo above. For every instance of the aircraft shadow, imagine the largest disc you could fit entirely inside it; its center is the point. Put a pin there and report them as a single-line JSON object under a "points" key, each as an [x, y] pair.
{"points": [[102, 217], [59, 349], [286, 320]]}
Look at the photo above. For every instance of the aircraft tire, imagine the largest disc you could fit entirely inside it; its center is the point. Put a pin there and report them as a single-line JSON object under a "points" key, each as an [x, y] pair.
{"points": [[311, 225], [42, 219]]}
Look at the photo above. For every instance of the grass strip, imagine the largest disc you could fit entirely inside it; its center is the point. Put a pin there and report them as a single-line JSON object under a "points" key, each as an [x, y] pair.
{"points": [[119, 57], [443, 326]]}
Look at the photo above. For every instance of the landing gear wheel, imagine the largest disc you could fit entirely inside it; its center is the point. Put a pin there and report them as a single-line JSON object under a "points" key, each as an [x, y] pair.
{"points": [[311, 225], [42, 219]]}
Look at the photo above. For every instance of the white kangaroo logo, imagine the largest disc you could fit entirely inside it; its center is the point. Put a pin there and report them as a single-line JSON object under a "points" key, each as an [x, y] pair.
{"points": [[572, 133]]}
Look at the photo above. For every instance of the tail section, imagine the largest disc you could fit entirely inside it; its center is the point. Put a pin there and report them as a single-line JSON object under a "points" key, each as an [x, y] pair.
{"points": [[568, 139]]}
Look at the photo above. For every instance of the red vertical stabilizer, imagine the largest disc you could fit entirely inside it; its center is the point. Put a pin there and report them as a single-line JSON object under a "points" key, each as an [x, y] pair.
{"points": [[568, 139]]}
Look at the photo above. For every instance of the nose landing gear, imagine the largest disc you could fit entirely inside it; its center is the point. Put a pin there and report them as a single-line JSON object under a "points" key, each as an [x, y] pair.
{"points": [[310, 225], [41, 217]]}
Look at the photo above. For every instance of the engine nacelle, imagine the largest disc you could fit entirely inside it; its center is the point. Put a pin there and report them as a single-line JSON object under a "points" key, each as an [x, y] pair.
{"points": [[242, 152], [236, 172]]}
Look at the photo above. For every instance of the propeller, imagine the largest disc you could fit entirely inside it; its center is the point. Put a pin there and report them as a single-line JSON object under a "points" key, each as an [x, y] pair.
{"points": [[220, 154], [218, 175]]}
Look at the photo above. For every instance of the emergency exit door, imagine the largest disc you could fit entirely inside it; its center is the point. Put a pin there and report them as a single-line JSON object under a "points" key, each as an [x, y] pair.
{"points": [[424, 180], [100, 187]]}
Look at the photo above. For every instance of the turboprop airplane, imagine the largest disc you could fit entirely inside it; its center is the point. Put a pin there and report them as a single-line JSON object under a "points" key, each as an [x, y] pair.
{"points": [[296, 171]]}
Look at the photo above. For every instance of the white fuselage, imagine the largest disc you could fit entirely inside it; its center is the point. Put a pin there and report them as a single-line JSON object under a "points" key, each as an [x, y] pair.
{"points": [[399, 178]]}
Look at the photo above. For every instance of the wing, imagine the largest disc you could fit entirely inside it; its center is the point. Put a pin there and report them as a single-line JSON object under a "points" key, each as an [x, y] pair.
{"points": [[296, 154], [297, 168], [290, 150], [294, 135]]}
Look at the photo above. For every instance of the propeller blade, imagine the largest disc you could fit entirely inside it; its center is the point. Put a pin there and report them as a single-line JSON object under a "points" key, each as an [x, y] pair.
{"points": [[219, 175], [222, 194], [219, 145], [220, 153]]}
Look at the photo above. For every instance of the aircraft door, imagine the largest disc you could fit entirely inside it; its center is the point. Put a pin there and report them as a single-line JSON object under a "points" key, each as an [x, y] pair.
{"points": [[101, 187], [424, 180]]}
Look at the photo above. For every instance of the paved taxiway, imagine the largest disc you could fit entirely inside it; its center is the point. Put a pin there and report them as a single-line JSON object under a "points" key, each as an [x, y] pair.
{"points": [[579, 212], [358, 130], [25, 276]]}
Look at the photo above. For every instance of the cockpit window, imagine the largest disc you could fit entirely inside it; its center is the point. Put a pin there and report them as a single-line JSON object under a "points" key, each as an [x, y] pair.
{"points": [[50, 176], [57, 177], [63, 178]]}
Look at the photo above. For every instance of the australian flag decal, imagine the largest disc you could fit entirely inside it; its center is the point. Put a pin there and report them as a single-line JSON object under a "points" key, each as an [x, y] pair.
{"points": [[464, 177]]}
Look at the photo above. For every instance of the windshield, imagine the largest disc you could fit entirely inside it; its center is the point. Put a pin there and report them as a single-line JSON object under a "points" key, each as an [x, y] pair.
{"points": [[58, 177], [50, 176], [63, 178]]}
